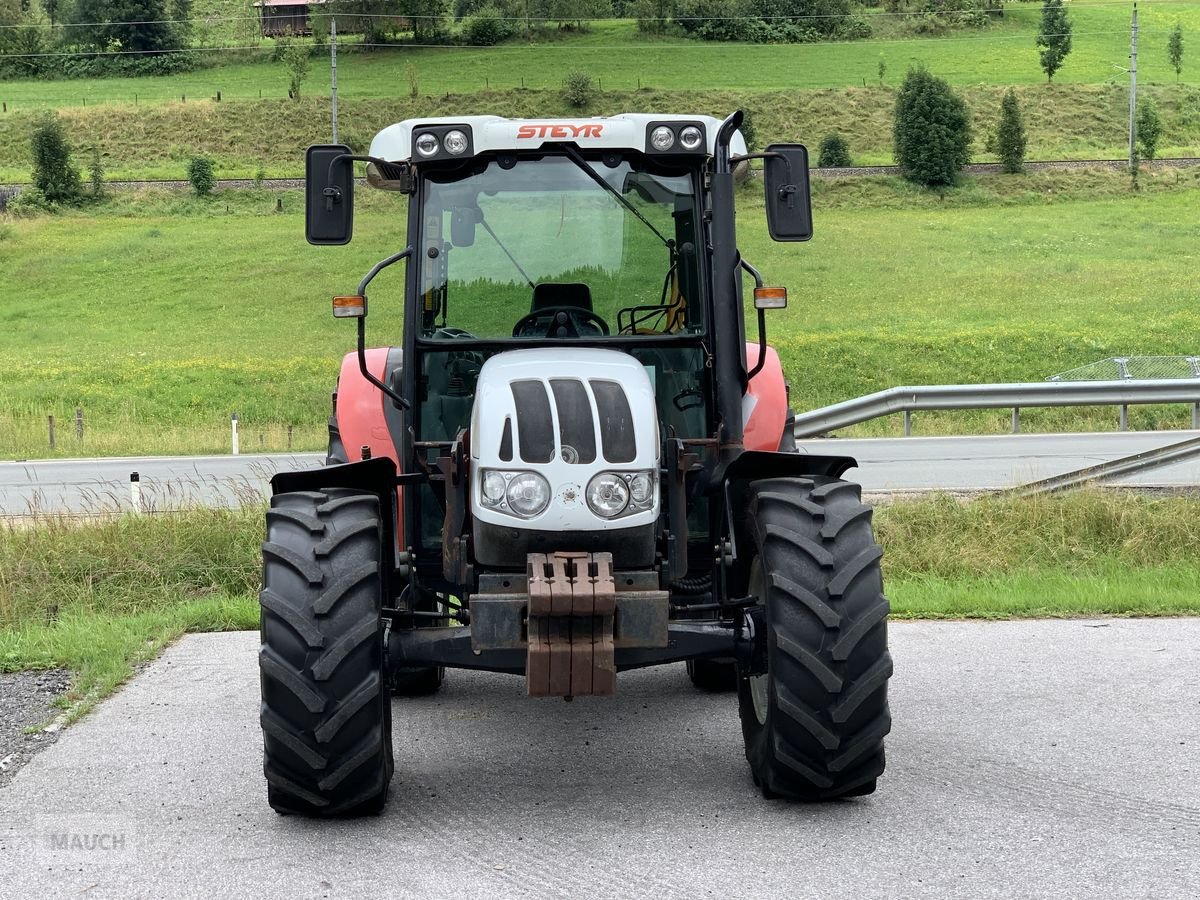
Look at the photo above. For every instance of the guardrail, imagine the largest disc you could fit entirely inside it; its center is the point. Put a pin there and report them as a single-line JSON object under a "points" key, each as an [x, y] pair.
{"points": [[908, 400]]}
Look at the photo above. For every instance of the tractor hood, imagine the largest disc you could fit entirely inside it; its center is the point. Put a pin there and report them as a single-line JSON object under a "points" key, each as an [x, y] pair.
{"points": [[564, 439]]}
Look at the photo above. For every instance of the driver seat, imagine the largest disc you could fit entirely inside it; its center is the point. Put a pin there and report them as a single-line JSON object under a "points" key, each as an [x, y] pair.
{"points": [[555, 295]]}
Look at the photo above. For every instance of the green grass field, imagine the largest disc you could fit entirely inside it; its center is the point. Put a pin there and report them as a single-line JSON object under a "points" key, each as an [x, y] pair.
{"points": [[97, 597], [624, 59], [1064, 121], [161, 314]]}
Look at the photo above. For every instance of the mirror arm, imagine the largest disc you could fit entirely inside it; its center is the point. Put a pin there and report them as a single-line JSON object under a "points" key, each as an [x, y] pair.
{"points": [[773, 155], [353, 158], [362, 326], [762, 321]]}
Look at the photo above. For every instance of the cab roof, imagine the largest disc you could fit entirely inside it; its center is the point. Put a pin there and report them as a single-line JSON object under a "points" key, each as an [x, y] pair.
{"points": [[625, 131]]}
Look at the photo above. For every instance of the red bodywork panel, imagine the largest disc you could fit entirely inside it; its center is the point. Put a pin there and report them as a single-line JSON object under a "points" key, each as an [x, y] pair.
{"points": [[764, 408], [360, 416]]}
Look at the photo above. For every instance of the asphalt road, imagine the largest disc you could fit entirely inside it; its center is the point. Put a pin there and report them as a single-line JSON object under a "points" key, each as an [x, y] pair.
{"points": [[167, 482], [1027, 759], [997, 461], [885, 464]]}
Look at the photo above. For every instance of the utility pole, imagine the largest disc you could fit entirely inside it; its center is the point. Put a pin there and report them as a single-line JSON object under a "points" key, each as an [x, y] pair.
{"points": [[1133, 90], [333, 68]]}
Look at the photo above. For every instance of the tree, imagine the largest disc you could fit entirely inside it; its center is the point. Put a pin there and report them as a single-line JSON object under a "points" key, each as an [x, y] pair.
{"points": [[1149, 129], [137, 25], [53, 172], [1010, 134], [1175, 49], [1054, 37], [932, 132], [654, 16], [295, 60]]}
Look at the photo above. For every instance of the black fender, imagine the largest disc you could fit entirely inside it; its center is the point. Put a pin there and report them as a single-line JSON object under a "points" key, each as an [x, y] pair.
{"points": [[376, 475], [733, 481]]}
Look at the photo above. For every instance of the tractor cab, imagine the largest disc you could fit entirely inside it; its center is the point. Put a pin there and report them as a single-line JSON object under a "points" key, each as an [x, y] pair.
{"points": [[573, 462]]}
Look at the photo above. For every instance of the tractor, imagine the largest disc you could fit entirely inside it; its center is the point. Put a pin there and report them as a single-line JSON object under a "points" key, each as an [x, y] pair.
{"points": [[575, 463]]}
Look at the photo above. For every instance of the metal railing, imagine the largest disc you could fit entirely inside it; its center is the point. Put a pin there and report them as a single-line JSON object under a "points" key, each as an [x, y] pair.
{"points": [[908, 400]]}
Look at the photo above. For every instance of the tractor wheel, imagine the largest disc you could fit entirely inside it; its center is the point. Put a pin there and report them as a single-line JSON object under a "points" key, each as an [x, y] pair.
{"points": [[712, 675], [814, 703], [326, 715]]}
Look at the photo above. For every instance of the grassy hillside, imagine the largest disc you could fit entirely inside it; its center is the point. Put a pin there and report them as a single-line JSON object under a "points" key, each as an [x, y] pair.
{"points": [[155, 141], [624, 59], [160, 314]]}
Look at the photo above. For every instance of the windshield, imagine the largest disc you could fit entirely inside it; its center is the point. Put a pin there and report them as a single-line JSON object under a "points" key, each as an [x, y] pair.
{"points": [[538, 248]]}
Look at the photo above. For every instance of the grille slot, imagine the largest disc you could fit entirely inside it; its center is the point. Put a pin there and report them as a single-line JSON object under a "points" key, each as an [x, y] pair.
{"points": [[616, 421], [575, 427], [535, 427]]}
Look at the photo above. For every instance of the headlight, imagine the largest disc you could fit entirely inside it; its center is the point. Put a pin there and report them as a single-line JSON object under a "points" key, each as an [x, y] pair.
{"points": [[493, 488], [691, 137], [455, 142], [607, 495], [528, 494], [427, 144], [641, 488], [662, 138]]}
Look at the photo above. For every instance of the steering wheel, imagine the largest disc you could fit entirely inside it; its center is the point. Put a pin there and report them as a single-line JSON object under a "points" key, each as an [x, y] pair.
{"points": [[562, 322]]}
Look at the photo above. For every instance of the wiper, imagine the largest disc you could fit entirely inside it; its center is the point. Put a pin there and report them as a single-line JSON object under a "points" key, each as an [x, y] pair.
{"points": [[574, 156], [500, 244]]}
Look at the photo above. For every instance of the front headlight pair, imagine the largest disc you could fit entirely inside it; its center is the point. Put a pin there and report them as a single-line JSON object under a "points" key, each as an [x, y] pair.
{"points": [[610, 494], [527, 494]]}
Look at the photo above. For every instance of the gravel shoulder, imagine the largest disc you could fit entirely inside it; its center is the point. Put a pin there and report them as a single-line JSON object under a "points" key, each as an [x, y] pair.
{"points": [[25, 699]]}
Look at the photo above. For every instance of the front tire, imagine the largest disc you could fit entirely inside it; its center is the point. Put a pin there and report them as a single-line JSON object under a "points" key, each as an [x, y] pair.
{"points": [[814, 717], [326, 713]]}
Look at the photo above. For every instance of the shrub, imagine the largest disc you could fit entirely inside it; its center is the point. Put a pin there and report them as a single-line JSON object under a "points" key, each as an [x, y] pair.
{"points": [[486, 27], [413, 74], [1010, 134], [30, 202], [748, 132], [579, 89], [1149, 129], [200, 175], [54, 175], [932, 132], [835, 153]]}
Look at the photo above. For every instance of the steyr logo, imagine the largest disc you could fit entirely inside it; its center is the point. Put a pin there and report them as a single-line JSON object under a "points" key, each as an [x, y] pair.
{"points": [[591, 130]]}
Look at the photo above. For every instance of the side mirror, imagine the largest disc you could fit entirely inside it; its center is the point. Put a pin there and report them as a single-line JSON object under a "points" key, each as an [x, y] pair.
{"points": [[789, 205], [329, 194], [463, 220]]}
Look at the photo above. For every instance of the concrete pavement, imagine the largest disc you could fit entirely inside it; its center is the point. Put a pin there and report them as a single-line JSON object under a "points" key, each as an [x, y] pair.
{"points": [[1028, 759]]}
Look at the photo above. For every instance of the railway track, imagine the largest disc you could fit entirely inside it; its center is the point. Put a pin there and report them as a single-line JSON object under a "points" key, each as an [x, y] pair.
{"points": [[850, 172]]}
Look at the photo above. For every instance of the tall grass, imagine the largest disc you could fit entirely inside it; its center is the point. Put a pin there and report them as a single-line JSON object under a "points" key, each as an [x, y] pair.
{"points": [[98, 596]]}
